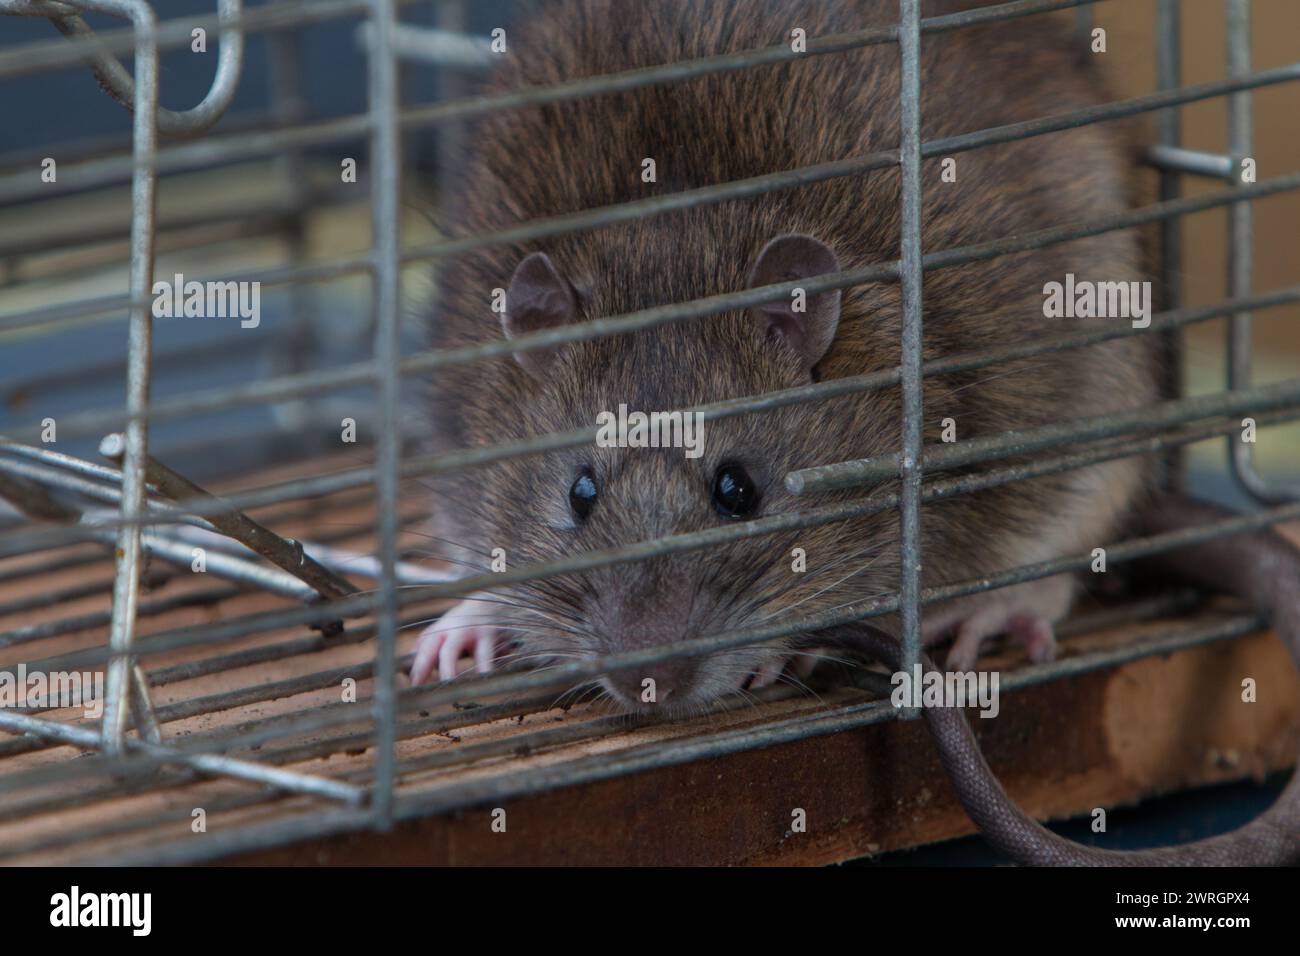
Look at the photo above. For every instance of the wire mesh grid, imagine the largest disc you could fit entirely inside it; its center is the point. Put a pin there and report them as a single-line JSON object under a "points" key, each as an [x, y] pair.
{"points": [[286, 759]]}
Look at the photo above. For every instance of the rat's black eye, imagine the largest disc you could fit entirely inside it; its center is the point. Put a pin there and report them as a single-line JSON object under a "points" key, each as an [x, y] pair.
{"points": [[582, 495], [734, 493]]}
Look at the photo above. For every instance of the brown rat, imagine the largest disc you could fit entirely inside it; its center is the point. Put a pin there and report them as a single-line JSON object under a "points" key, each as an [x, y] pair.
{"points": [[565, 157], [570, 156]]}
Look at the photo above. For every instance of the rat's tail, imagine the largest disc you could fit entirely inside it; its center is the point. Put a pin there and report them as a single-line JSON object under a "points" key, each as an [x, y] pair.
{"points": [[1260, 566]]}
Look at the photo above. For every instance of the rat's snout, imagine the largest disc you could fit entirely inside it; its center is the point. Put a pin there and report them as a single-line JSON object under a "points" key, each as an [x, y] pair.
{"points": [[652, 686], [658, 619]]}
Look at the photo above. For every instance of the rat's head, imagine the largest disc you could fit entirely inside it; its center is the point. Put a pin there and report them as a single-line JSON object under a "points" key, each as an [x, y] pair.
{"points": [[722, 472]]}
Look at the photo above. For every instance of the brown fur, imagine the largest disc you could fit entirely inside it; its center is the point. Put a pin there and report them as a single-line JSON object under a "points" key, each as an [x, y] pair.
{"points": [[570, 156]]}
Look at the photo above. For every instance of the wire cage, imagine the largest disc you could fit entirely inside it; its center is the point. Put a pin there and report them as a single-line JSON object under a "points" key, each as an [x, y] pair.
{"points": [[265, 691]]}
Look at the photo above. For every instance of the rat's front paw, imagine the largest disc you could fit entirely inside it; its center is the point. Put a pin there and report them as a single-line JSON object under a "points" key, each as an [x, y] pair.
{"points": [[466, 629], [769, 673], [1032, 632]]}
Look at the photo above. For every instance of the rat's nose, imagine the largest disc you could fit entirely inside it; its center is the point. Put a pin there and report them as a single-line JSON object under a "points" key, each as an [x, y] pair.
{"points": [[648, 687], [654, 616]]}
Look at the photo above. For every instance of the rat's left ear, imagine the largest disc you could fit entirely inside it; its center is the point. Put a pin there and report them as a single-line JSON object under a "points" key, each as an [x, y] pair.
{"points": [[807, 326], [538, 298]]}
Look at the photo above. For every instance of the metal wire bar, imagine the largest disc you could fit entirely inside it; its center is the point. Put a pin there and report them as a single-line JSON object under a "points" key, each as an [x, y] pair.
{"points": [[65, 562], [290, 107], [139, 343], [385, 153], [35, 501], [1170, 136], [112, 144], [1083, 25], [37, 8], [244, 573], [868, 471], [214, 703], [204, 763], [442, 47], [271, 690], [52, 316], [206, 666], [189, 527], [98, 244], [440, 724], [1195, 161], [118, 83], [78, 466], [337, 560], [283, 553], [122, 780], [466, 754], [57, 478], [255, 734], [588, 87], [909, 276], [146, 721], [31, 541], [181, 554], [451, 16], [1241, 254]]}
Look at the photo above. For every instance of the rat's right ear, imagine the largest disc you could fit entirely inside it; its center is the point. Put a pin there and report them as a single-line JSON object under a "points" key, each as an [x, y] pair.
{"points": [[806, 324], [538, 298]]}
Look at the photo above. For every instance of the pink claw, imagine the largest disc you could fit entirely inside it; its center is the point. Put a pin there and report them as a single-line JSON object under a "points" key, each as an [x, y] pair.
{"points": [[800, 666], [767, 675], [459, 631], [1033, 633]]}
